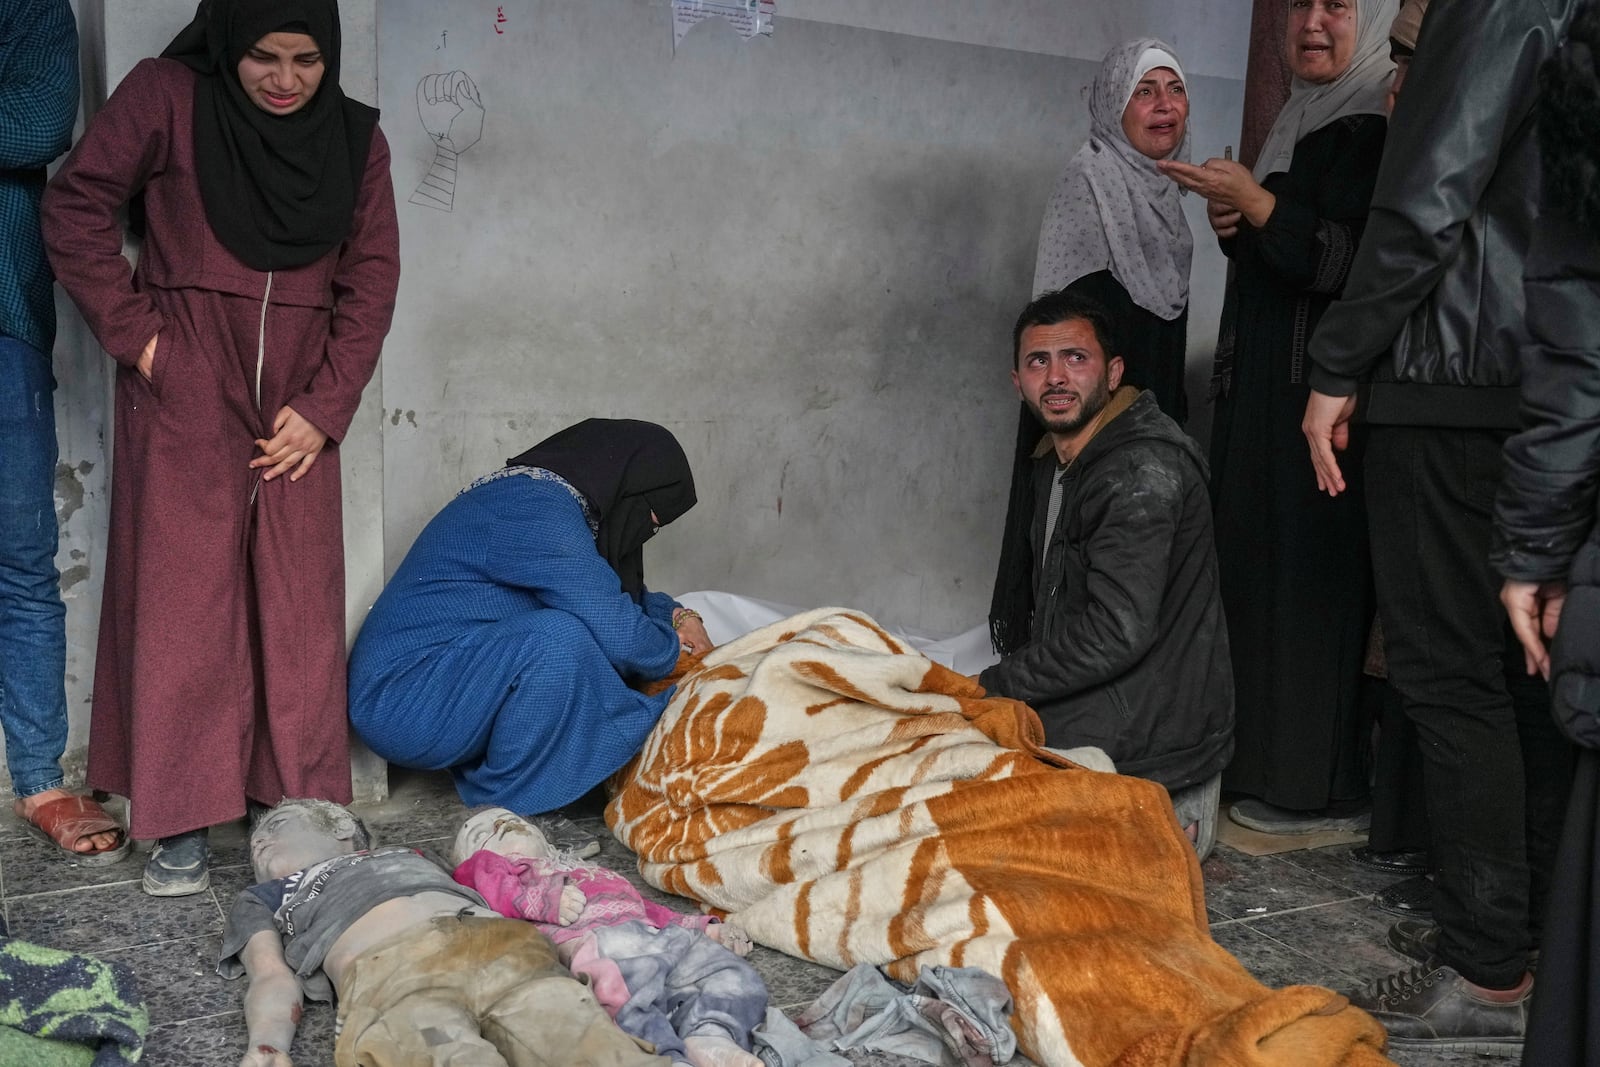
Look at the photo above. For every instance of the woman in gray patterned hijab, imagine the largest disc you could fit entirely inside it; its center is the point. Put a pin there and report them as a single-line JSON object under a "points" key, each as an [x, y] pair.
{"points": [[1112, 210]]}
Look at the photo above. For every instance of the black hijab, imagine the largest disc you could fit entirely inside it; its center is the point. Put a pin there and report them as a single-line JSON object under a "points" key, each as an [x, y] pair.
{"points": [[626, 469], [279, 190]]}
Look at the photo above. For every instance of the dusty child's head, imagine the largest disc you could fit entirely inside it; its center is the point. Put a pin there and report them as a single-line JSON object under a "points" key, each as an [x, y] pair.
{"points": [[501, 831], [298, 833]]}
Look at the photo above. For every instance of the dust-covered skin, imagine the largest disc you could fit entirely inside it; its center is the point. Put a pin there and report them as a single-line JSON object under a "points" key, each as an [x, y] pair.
{"points": [[291, 837], [502, 832]]}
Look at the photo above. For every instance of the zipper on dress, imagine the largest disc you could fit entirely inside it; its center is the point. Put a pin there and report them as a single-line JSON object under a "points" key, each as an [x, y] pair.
{"points": [[261, 360]]}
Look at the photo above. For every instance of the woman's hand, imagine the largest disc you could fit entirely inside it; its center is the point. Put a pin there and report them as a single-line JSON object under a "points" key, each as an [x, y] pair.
{"points": [[693, 637], [1226, 185], [1224, 220], [295, 443], [147, 359]]}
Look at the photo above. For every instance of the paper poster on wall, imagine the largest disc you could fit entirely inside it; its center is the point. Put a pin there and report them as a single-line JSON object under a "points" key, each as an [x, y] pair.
{"points": [[747, 17]]}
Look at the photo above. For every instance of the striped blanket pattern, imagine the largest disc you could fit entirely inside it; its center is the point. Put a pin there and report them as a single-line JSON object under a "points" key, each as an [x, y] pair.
{"points": [[846, 800]]}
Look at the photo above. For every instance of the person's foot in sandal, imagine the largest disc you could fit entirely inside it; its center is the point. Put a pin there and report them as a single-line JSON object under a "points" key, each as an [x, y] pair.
{"points": [[73, 823]]}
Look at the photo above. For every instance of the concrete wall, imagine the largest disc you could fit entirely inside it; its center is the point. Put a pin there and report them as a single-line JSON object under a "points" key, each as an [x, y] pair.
{"points": [[802, 253]]}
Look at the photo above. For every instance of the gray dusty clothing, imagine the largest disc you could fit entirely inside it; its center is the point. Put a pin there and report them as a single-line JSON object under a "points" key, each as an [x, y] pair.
{"points": [[953, 1016], [1128, 649], [474, 991], [780, 1043], [682, 984], [310, 909]]}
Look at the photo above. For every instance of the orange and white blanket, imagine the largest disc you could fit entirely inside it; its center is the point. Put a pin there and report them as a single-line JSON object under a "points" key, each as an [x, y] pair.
{"points": [[846, 800]]}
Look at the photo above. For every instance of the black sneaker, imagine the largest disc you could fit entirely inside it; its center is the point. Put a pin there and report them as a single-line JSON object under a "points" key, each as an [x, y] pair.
{"points": [[177, 866], [1430, 1005], [1419, 939], [1416, 938], [566, 836]]}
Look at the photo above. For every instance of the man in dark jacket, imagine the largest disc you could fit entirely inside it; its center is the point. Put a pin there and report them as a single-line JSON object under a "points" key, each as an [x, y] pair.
{"points": [[1547, 524], [1437, 285], [1127, 649]]}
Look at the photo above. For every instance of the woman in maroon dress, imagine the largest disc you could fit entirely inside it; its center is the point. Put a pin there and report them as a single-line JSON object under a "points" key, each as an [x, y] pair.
{"points": [[244, 338]]}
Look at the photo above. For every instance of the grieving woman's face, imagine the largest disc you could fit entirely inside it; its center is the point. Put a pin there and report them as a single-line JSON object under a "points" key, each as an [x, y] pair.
{"points": [[1322, 38], [282, 72], [1157, 113]]}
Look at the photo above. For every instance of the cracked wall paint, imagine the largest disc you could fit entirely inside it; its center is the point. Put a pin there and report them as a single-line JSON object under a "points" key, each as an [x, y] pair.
{"points": [[69, 489]]}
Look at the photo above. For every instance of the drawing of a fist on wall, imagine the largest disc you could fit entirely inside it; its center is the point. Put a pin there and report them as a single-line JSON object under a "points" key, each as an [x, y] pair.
{"points": [[452, 112]]}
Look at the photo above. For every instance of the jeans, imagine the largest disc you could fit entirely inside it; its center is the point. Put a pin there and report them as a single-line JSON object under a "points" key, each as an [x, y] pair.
{"points": [[1495, 769], [33, 642]]}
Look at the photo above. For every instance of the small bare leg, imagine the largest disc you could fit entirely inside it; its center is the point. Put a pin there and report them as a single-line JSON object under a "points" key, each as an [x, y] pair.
{"points": [[717, 1052]]}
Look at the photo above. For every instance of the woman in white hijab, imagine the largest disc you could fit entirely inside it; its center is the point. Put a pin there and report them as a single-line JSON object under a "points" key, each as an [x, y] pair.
{"points": [[1294, 567], [1114, 228]]}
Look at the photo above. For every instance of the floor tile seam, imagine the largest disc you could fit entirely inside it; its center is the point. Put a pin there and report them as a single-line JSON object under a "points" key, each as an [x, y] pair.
{"points": [[216, 902], [1363, 897], [1251, 916], [159, 942], [1286, 857], [1319, 961], [71, 889], [125, 946], [196, 1019]]}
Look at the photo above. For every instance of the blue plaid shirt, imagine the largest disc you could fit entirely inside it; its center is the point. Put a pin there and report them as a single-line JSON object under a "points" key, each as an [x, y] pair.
{"points": [[38, 103]]}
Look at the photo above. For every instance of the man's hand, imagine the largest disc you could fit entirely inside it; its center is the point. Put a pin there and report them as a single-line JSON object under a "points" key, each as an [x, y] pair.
{"points": [[1327, 429], [1535, 612], [295, 443], [147, 359], [693, 637]]}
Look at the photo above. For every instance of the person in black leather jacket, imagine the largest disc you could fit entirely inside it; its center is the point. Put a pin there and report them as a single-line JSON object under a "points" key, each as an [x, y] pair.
{"points": [[1126, 646], [1429, 328], [1547, 524]]}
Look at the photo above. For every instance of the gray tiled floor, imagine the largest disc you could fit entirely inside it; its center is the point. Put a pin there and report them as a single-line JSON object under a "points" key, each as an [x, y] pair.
{"points": [[1300, 917]]}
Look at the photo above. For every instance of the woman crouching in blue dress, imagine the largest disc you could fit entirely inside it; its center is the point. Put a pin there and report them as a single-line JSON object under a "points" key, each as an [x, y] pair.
{"points": [[504, 646]]}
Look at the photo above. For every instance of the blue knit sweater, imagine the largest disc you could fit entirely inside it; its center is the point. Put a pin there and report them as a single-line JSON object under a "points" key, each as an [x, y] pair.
{"points": [[505, 547], [38, 103]]}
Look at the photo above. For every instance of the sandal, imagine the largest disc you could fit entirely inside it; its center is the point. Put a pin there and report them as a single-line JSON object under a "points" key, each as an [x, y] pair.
{"points": [[67, 820]]}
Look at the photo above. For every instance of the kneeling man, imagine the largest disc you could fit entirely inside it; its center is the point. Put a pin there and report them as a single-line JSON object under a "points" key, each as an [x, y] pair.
{"points": [[1106, 610]]}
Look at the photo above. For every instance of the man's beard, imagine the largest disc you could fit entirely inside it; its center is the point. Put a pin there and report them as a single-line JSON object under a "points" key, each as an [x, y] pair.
{"points": [[1082, 413]]}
